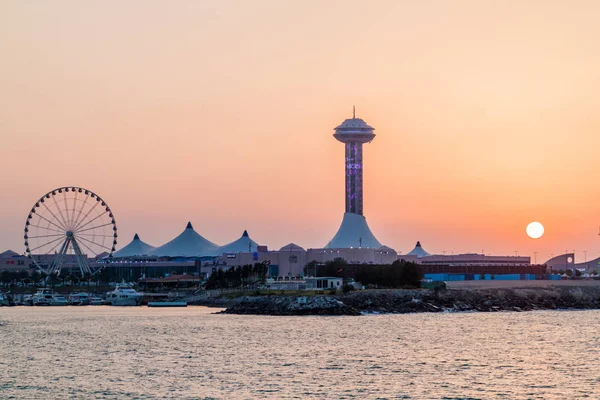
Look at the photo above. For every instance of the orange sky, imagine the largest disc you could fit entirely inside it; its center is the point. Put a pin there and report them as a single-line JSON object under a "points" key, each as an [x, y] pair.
{"points": [[222, 113]]}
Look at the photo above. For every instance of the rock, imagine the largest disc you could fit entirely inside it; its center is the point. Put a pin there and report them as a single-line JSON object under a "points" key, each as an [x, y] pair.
{"points": [[411, 301], [289, 305]]}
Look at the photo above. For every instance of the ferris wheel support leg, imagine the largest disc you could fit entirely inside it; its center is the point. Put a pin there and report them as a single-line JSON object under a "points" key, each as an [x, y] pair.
{"points": [[55, 267], [81, 259]]}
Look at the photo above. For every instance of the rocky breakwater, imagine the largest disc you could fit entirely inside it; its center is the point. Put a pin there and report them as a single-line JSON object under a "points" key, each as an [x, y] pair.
{"points": [[291, 305], [413, 301], [486, 300]]}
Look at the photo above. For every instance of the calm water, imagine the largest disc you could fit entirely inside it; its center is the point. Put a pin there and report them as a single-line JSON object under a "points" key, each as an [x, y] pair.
{"points": [[142, 353]]}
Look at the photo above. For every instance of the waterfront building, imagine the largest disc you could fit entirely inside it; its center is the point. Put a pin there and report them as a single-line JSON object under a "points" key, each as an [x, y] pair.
{"points": [[354, 255], [13, 262], [323, 283], [287, 263], [354, 230]]}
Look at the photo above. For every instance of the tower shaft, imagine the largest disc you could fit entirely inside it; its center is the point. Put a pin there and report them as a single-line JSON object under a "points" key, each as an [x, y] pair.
{"points": [[354, 178]]}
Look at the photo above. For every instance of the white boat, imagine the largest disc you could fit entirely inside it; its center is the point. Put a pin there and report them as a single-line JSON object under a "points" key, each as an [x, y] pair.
{"points": [[4, 300], [167, 304], [58, 300], [96, 301], [47, 297], [124, 296], [79, 299], [27, 300]]}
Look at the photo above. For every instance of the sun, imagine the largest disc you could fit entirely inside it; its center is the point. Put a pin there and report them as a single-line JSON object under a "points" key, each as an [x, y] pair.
{"points": [[535, 230]]}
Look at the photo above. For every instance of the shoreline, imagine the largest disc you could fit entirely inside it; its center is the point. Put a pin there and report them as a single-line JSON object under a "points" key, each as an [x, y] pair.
{"points": [[405, 301]]}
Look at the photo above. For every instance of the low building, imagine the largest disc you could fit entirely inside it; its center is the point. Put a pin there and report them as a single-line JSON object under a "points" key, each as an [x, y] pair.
{"points": [[13, 262], [323, 283], [357, 255]]}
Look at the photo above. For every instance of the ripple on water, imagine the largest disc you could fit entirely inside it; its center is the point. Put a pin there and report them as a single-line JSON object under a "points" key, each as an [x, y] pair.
{"points": [[141, 353]]}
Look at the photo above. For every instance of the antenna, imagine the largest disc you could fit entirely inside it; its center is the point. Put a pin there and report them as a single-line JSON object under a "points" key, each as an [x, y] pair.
{"points": [[354, 116]]}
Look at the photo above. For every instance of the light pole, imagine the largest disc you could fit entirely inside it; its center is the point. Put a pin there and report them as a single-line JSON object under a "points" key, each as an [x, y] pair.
{"points": [[535, 257]]}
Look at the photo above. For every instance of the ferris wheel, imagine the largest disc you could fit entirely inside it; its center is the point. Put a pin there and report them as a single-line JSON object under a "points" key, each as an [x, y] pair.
{"points": [[70, 227]]}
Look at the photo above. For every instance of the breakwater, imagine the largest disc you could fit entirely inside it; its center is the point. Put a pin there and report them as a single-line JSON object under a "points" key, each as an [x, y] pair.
{"points": [[414, 301]]}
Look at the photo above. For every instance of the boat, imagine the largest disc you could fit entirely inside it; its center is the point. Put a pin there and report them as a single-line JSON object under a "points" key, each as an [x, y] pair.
{"points": [[27, 300], [79, 299], [6, 300], [47, 297], [96, 301], [167, 304], [58, 300], [124, 296]]}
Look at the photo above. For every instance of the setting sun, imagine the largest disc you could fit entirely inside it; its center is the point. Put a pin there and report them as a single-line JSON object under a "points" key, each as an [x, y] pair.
{"points": [[535, 230]]}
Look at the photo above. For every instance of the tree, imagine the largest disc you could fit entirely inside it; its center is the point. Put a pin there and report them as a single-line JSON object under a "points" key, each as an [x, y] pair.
{"points": [[409, 273], [36, 277], [53, 279]]}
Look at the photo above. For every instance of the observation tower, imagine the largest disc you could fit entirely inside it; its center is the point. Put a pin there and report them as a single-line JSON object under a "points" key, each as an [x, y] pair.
{"points": [[354, 231]]}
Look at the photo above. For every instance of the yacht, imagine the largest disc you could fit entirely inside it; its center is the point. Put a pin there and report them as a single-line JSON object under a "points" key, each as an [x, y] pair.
{"points": [[27, 300], [123, 296], [6, 300], [96, 301], [79, 299], [47, 297]]}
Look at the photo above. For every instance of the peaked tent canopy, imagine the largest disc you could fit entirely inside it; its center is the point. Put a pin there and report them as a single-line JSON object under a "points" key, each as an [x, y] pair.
{"points": [[354, 232], [9, 254], [243, 245], [291, 247], [188, 244], [418, 251], [386, 249], [135, 248]]}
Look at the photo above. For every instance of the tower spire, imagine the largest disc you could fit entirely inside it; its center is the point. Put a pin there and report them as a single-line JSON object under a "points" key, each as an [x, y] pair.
{"points": [[353, 111]]}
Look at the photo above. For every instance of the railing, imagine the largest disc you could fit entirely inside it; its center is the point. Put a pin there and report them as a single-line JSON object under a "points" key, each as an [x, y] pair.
{"points": [[202, 293]]}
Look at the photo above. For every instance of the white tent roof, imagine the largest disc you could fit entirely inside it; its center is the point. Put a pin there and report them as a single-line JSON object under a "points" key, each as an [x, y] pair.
{"points": [[291, 247], [188, 244], [386, 248], [135, 248], [8, 254], [418, 251], [243, 245], [354, 232]]}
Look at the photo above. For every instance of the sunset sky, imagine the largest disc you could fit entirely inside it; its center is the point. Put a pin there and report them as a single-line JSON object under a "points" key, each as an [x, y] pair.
{"points": [[222, 113]]}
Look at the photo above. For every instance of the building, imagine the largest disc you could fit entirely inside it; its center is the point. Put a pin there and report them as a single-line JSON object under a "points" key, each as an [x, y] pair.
{"points": [[323, 283], [357, 255], [354, 231], [288, 262], [13, 262]]}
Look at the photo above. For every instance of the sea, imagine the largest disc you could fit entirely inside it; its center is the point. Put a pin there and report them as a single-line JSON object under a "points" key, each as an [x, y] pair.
{"points": [[193, 353]]}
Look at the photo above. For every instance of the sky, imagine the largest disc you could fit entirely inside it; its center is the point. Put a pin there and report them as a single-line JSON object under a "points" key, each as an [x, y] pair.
{"points": [[222, 113]]}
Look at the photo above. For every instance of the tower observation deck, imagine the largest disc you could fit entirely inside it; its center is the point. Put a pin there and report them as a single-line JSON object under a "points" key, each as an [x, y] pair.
{"points": [[354, 231]]}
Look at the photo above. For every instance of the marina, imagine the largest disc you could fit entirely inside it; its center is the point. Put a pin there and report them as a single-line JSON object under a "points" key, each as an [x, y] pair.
{"points": [[121, 296]]}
